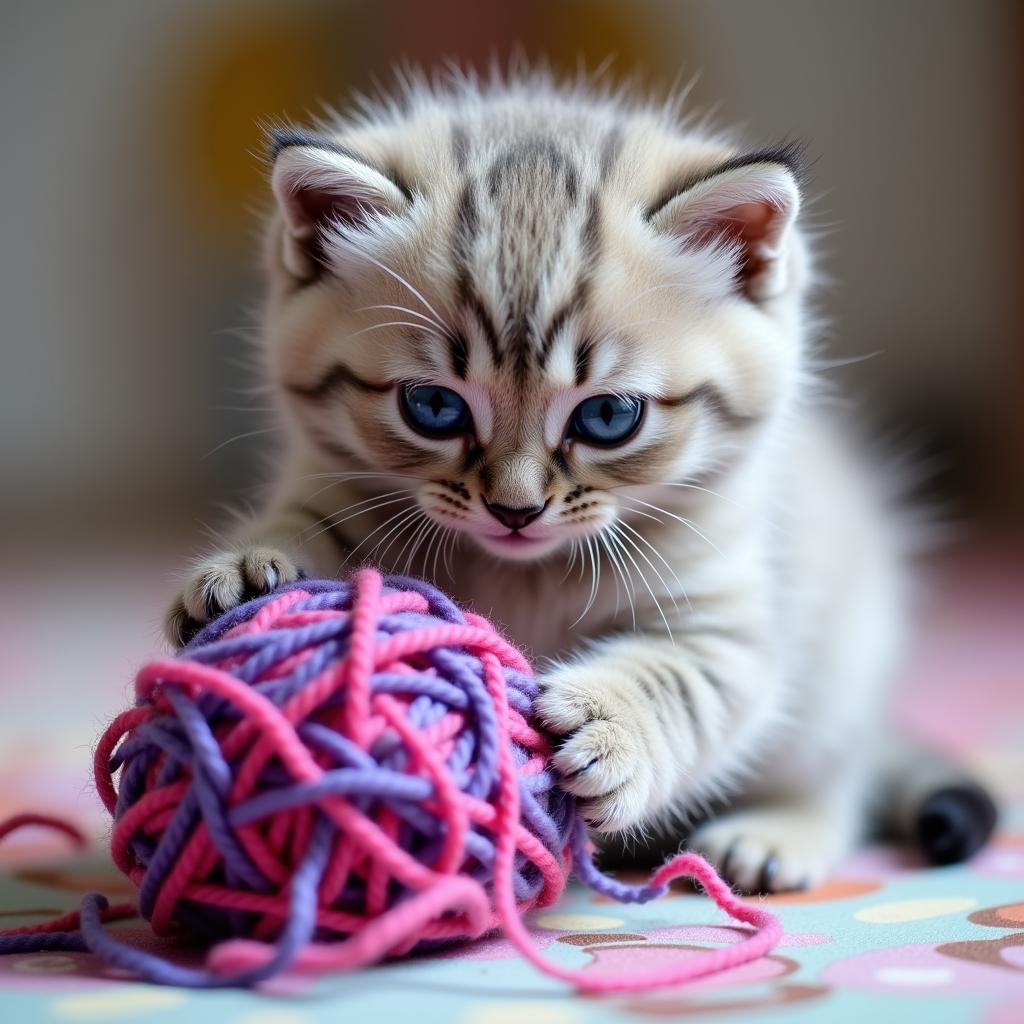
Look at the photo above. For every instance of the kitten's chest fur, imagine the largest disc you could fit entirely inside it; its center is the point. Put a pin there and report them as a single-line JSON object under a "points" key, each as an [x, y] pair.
{"points": [[536, 607]]}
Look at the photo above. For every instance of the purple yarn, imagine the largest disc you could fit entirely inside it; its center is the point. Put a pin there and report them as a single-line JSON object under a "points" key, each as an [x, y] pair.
{"points": [[185, 742]]}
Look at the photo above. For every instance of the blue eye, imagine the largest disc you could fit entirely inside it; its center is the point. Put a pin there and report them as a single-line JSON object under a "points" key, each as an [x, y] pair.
{"points": [[435, 411], [606, 419]]}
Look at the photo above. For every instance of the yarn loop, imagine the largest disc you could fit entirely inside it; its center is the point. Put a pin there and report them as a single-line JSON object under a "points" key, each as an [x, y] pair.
{"points": [[341, 772]]}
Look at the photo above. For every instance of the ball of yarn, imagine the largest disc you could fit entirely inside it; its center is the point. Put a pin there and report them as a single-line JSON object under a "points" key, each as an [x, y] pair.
{"points": [[319, 771], [340, 772]]}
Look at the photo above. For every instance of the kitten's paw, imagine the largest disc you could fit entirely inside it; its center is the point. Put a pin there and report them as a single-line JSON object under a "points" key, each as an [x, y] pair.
{"points": [[600, 753], [222, 581], [766, 850]]}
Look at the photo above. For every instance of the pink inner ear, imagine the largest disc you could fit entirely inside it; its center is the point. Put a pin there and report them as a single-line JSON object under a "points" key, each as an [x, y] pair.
{"points": [[321, 207], [754, 226]]}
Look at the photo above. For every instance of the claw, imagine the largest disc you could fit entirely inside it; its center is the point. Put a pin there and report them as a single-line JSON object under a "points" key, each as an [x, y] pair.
{"points": [[769, 869]]}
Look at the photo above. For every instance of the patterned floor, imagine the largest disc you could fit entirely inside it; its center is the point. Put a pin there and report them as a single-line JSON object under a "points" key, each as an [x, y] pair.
{"points": [[883, 941]]}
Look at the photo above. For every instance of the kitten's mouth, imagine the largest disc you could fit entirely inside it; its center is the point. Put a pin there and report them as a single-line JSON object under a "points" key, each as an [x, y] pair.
{"points": [[516, 544], [515, 537]]}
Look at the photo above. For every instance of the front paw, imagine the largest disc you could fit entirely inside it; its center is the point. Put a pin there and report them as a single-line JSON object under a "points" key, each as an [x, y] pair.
{"points": [[223, 581], [770, 849], [600, 753]]}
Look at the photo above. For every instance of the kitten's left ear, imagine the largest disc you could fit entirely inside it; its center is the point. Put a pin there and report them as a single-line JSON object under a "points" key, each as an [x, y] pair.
{"points": [[750, 202], [320, 185]]}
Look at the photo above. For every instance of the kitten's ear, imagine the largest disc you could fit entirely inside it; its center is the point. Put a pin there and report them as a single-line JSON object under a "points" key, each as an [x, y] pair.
{"points": [[320, 185], [750, 202]]}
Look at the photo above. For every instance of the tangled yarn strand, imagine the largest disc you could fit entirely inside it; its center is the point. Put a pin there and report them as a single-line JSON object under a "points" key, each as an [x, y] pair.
{"points": [[340, 772], [683, 865]]}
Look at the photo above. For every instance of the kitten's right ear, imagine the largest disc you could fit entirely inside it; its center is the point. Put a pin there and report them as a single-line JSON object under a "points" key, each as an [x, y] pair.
{"points": [[319, 186], [748, 203]]}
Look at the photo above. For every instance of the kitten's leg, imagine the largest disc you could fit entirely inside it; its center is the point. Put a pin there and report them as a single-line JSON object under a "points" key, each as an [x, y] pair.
{"points": [[927, 798], [269, 552], [789, 841], [647, 727]]}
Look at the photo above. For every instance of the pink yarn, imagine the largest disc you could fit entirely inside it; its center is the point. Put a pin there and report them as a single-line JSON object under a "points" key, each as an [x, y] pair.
{"points": [[246, 696]]}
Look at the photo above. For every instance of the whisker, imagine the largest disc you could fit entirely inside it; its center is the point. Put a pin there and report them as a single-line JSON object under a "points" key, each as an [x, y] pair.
{"points": [[686, 486], [332, 522], [412, 312], [639, 536], [449, 549], [705, 490], [420, 534], [439, 564], [656, 288], [595, 575], [643, 579], [427, 542], [583, 562], [326, 487], [635, 323], [571, 560], [437, 542], [686, 522], [402, 281], [390, 519], [615, 574], [607, 539], [413, 543], [335, 475], [390, 323], [217, 536], [395, 533], [339, 478], [240, 437], [374, 497]]}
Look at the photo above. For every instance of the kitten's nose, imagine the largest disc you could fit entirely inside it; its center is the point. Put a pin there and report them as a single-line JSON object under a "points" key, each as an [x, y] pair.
{"points": [[515, 518]]}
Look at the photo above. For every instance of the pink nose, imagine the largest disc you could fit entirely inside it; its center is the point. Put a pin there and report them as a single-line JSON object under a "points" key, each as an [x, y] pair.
{"points": [[515, 518]]}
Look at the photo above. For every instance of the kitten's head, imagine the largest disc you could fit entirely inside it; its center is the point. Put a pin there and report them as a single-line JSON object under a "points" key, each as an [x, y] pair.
{"points": [[531, 301]]}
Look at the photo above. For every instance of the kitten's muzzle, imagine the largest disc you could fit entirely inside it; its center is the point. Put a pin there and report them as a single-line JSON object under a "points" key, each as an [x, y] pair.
{"points": [[515, 518]]}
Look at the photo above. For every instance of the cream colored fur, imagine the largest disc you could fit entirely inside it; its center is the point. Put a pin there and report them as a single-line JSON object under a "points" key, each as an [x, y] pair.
{"points": [[715, 622]]}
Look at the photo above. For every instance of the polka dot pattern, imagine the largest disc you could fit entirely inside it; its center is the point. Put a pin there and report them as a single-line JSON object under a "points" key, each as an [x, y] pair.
{"points": [[110, 1004], [900, 911]]}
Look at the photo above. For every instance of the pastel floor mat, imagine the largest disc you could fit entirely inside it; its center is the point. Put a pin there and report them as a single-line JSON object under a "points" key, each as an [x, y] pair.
{"points": [[884, 940]]}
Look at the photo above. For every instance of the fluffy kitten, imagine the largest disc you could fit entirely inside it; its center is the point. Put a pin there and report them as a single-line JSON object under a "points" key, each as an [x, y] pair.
{"points": [[546, 348]]}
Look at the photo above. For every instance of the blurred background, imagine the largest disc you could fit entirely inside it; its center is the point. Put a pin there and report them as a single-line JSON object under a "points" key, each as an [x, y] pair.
{"points": [[129, 211]]}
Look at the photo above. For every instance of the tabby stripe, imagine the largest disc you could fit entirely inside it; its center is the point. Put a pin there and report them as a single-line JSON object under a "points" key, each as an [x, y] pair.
{"points": [[651, 690], [718, 685], [583, 354], [610, 150], [557, 323], [639, 461], [524, 156], [473, 302], [466, 221], [788, 155], [288, 138], [681, 685], [460, 146], [570, 308], [715, 401], [590, 234], [473, 458], [561, 463], [336, 379], [458, 355], [328, 444], [403, 454]]}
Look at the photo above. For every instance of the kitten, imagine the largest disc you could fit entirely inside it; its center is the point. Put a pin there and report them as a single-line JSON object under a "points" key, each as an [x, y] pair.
{"points": [[546, 348]]}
